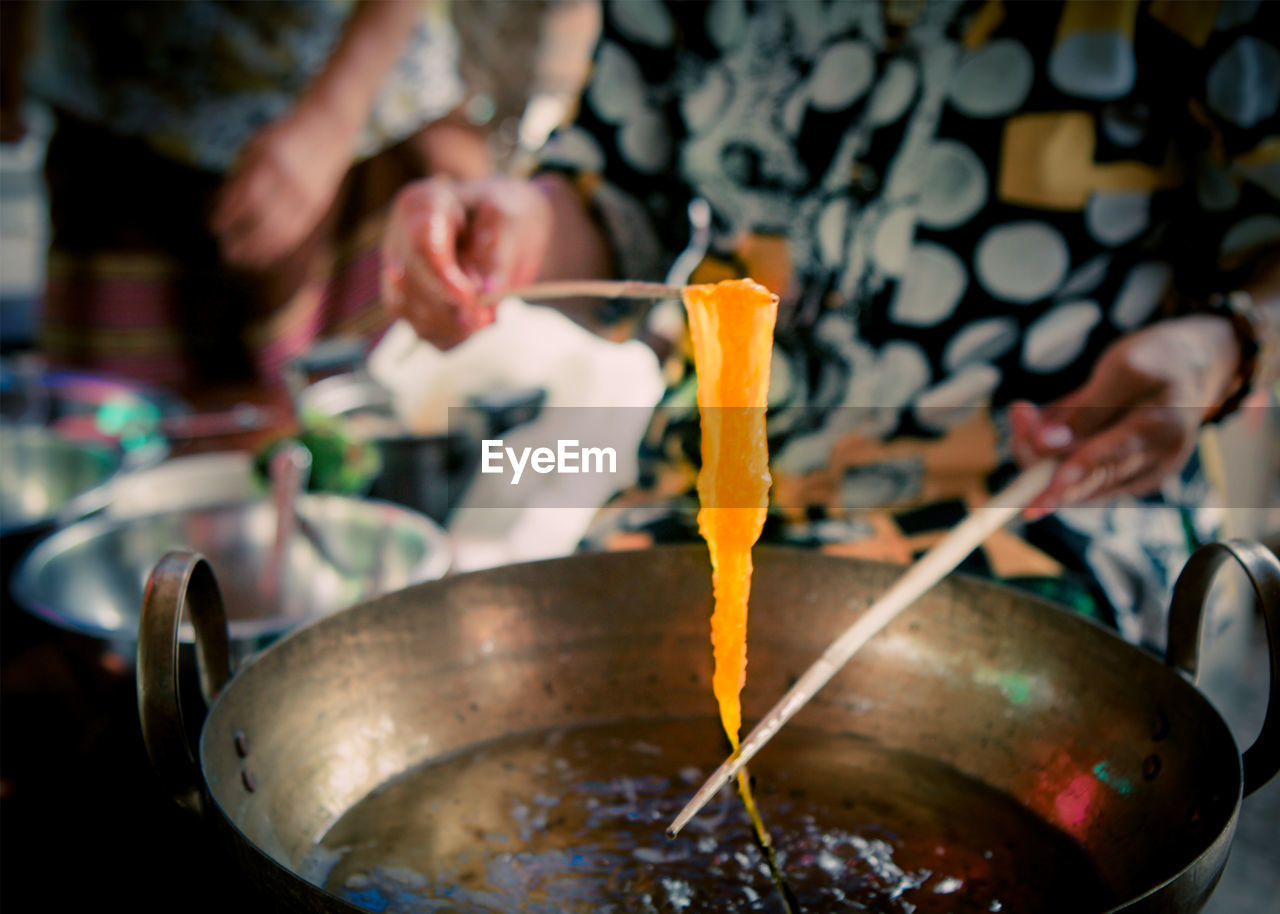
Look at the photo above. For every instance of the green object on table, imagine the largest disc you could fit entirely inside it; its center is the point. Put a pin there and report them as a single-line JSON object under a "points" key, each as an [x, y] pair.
{"points": [[341, 463], [134, 423]]}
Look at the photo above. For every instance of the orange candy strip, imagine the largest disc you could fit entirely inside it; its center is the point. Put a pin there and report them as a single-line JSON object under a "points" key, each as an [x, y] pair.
{"points": [[732, 327]]}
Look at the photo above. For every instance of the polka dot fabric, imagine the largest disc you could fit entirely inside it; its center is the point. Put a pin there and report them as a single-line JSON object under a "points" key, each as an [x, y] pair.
{"points": [[967, 208]]}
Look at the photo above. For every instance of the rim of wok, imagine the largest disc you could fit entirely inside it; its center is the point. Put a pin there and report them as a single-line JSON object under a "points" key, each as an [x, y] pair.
{"points": [[427, 588]]}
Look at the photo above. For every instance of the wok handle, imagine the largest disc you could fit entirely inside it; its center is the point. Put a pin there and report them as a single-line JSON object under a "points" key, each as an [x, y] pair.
{"points": [[1261, 761], [179, 579]]}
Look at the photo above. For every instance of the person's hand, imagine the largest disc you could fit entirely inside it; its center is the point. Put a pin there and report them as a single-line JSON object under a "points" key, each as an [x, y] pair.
{"points": [[451, 247], [284, 181], [1136, 419]]}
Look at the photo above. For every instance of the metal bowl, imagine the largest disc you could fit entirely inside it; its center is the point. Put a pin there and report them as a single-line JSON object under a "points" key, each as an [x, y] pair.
{"points": [[184, 483], [47, 479], [90, 577]]}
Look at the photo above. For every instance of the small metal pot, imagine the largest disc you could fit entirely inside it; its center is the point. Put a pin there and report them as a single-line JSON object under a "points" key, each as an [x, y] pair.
{"points": [[426, 472]]}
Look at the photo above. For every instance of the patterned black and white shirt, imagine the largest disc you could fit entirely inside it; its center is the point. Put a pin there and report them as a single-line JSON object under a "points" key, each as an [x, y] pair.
{"points": [[961, 204]]}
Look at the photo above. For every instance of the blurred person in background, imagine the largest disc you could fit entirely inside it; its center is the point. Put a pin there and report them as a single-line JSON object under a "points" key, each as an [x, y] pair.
{"points": [[967, 208], [219, 172]]}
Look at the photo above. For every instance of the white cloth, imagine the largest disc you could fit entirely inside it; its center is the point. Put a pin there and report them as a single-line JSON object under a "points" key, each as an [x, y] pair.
{"points": [[527, 347]]}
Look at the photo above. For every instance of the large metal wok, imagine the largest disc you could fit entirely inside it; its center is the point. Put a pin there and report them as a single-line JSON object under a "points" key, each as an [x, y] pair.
{"points": [[1113, 752]]}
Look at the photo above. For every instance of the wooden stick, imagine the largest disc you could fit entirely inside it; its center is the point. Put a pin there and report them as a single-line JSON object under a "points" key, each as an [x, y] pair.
{"points": [[932, 567], [585, 288]]}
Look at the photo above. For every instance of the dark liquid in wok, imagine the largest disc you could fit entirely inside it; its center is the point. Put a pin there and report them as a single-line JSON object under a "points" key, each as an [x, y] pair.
{"points": [[573, 820]]}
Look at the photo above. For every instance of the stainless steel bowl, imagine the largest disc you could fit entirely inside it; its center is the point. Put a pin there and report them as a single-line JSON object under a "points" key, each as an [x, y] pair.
{"points": [[89, 577], [184, 483], [47, 479]]}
